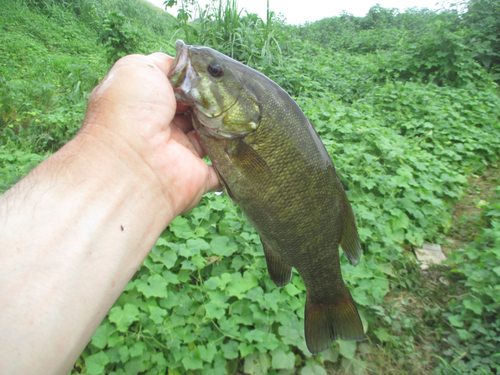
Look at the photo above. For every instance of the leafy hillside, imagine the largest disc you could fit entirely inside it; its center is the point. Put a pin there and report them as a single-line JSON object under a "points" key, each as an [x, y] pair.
{"points": [[408, 108]]}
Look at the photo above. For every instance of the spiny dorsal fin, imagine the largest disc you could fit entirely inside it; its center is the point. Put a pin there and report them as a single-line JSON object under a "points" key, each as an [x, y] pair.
{"points": [[350, 242]]}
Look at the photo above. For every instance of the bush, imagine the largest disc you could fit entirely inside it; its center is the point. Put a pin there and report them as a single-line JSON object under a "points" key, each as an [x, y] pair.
{"points": [[119, 36], [473, 346]]}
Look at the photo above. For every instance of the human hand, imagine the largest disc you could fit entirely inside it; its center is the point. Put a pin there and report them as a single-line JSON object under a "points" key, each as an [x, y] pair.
{"points": [[134, 112], [76, 229]]}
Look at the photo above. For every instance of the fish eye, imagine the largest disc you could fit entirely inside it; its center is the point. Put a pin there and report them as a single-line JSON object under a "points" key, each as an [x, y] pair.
{"points": [[215, 70]]}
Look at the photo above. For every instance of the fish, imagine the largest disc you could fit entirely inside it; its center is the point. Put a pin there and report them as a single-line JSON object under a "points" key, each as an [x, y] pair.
{"points": [[272, 163]]}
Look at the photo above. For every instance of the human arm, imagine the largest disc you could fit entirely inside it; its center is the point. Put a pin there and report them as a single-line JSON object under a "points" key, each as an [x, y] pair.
{"points": [[74, 231]]}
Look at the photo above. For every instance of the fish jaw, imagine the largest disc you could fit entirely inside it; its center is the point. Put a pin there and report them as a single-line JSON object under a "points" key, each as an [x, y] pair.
{"points": [[183, 76]]}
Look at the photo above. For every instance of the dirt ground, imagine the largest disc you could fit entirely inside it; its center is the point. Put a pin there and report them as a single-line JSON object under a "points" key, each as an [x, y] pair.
{"points": [[467, 220]]}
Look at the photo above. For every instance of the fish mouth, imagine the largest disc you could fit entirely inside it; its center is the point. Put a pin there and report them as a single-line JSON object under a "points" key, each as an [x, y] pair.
{"points": [[183, 76]]}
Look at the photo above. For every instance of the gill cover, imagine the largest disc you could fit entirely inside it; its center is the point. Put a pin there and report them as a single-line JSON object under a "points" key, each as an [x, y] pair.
{"points": [[215, 87]]}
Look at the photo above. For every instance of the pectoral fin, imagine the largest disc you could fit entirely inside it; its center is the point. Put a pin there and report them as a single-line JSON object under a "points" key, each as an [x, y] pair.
{"points": [[249, 161], [224, 185], [279, 271]]}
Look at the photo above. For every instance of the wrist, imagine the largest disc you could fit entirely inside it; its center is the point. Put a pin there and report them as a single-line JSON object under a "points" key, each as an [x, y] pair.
{"points": [[72, 235], [103, 157]]}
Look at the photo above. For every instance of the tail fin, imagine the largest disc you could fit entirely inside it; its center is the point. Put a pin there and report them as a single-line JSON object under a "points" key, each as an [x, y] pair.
{"points": [[327, 322]]}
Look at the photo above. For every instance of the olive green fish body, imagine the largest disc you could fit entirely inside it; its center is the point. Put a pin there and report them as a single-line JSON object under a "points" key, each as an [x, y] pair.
{"points": [[275, 167]]}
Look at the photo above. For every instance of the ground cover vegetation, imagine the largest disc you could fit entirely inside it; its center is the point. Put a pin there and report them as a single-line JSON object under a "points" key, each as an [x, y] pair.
{"points": [[407, 106]]}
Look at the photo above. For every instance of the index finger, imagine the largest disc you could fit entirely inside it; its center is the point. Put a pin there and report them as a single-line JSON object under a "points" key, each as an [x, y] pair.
{"points": [[165, 62]]}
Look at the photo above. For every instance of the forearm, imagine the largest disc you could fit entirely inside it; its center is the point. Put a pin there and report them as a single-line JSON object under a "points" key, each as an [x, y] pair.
{"points": [[72, 234]]}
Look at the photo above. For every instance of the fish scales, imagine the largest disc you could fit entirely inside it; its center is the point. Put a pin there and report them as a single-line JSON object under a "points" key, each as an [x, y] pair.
{"points": [[274, 166]]}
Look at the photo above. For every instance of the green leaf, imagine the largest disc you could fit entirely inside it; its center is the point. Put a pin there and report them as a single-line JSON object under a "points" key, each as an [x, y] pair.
{"points": [[230, 349], [208, 352], [197, 244], [290, 334], [245, 349], [215, 310], [291, 289], [347, 348], [474, 306], [464, 335], [240, 285], [255, 335], [123, 318], [100, 338], [180, 227], [160, 361], [217, 203], [138, 349], [193, 247], [161, 242], [257, 364], [157, 314], [170, 277], [331, 354], [239, 262], [124, 353], [198, 261], [387, 269], [155, 286], [456, 321], [382, 334], [280, 359], [496, 270], [222, 247], [193, 362], [115, 339], [96, 363], [313, 370], [168, 258], [213, 283]]}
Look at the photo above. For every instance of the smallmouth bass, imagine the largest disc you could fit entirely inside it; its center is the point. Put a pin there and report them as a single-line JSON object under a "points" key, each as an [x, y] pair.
{"points": [[273, 164]]}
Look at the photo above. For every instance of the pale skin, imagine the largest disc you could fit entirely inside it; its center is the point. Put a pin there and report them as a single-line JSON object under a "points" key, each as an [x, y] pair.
{"points": [[76, 229]]}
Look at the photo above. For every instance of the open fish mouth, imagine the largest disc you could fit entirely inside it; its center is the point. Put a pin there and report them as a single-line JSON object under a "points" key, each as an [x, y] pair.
{"points": [[181, 61], [183, 76]]}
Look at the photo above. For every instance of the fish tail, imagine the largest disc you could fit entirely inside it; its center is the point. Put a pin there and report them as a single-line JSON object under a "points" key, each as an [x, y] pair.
{"points": [[326, 322]]}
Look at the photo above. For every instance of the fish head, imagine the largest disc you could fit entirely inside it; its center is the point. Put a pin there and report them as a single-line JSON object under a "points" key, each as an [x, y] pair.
{"points": [[214, 86]]}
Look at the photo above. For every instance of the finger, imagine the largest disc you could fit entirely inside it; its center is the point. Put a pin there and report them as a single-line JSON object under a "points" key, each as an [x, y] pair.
{"points": [[181, 138], [195, 141], [183, 122], [162, 61]]}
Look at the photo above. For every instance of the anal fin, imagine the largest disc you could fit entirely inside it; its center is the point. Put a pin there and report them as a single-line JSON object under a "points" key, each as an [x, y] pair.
{"points": [[279, 271], [326, 322], [349, 242]]}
